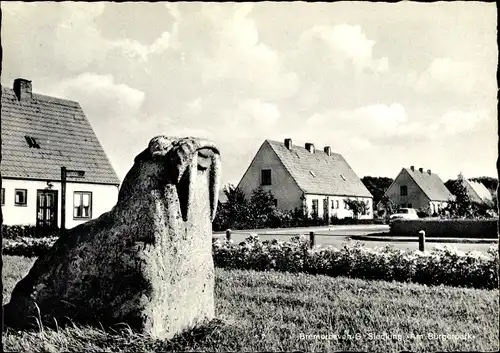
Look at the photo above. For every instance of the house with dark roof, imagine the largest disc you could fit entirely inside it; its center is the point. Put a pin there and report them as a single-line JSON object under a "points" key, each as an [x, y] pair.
{"points": [[419, 189], [320, 181], [49, 153]]}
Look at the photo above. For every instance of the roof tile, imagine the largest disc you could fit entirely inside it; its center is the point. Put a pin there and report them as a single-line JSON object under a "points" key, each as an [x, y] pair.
{"points": [[318, 173], [431, 185], [64, 134]]}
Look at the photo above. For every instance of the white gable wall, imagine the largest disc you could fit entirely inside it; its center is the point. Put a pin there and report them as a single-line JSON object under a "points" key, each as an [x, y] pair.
{"points": [[283, 187], [415, 195], [104, 197]]}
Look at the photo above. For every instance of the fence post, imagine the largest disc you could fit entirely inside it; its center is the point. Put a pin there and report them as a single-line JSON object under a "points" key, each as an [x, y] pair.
{"points": [[228, 234], [421, 240], [311, 239]]}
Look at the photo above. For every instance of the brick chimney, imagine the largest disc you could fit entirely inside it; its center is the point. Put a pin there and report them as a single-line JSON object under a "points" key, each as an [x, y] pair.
{"points": [[412, 168], [22, 89], [288, 143], [310, 147], [429, 172], [421, 170], [328, 150]]}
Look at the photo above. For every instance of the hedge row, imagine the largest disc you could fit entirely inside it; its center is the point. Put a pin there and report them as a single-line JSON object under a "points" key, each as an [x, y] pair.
{"points": [[28, 231], [445, 266]]}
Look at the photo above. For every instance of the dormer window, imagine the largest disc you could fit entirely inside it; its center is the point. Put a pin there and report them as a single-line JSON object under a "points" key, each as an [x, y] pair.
{"points": [[343, 178], [32, 143], [312, 173]]}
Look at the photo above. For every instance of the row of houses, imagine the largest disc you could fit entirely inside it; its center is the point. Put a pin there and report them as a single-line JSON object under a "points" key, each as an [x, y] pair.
{"points": [[56, 173], [323, 181]]}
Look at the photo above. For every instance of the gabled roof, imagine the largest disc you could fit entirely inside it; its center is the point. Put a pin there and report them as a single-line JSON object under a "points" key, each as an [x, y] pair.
{"points": [[319, 173], [480, 193], [64, 136], [431, 184]]}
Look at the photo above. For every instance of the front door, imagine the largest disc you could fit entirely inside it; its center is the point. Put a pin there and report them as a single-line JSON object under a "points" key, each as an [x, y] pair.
{"points": [[46, 209]]}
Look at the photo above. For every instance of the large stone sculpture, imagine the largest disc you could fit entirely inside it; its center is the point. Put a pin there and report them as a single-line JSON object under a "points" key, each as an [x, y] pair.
{"points": [[147, 262]]}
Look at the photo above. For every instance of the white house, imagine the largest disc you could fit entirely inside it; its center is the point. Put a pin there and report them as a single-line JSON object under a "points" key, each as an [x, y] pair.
{"points": [[419, 189], [40, 135], [477, 192], [302, 176]]}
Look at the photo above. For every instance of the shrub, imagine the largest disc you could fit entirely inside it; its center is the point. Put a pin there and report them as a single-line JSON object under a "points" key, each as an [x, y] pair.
{"points": [[28, 231], [439, 266], [28, 247]]}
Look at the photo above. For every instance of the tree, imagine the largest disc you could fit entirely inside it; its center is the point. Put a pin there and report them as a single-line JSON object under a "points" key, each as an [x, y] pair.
{"points": [[377, 186], [462, 206], [262, 208], [357, 206], [235, 212], [388, 206]]}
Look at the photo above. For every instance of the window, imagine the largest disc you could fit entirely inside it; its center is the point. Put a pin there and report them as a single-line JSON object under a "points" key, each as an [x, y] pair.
{"points": [[404, 190], [315, 208], [337, 204], [2, 196], [409, 205], [21, 196], [333, 204], [82, 204], [275, 202], [266, 177]]}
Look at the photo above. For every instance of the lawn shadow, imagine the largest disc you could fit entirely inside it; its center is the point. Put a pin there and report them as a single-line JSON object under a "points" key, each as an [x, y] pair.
{"points": [[215, 335]]}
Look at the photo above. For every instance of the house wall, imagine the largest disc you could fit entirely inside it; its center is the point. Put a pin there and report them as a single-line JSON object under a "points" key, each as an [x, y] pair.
{"points": [[415, 196], [283, 187], [342, 211], [436, 206], [104, 197]]}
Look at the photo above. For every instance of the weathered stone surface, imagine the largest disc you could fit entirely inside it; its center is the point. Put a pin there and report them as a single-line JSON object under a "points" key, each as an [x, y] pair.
{"points": [[147, 262]]}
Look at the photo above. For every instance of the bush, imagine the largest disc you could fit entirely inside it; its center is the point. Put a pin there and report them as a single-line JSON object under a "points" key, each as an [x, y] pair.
{"points": [[27, 231], [440, 266], [26, 246]]}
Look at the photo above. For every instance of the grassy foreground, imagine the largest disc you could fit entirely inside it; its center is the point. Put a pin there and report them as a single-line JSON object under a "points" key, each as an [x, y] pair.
{"points": [[271, 311]]}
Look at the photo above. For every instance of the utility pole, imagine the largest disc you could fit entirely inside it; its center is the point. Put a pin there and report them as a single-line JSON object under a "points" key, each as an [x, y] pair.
{"points": [[65, 173], [63, 198]]}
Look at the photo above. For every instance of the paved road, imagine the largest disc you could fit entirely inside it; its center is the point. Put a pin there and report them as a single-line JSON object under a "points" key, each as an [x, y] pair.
{"points": [[338, 236]]}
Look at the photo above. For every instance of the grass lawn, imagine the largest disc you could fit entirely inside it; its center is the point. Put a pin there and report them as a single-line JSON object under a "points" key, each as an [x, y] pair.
{"points": [[270, 311]]}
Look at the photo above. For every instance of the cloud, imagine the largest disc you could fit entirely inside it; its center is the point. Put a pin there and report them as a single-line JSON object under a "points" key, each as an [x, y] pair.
{"points": [[376, 120], [102, 88], [242, 73], [260, 112], [456, 122], [238, 55], [343, 45], [445, 74]]}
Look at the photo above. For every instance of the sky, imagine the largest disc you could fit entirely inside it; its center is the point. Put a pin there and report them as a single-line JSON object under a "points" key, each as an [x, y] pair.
{"points": [[387, 85]]}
